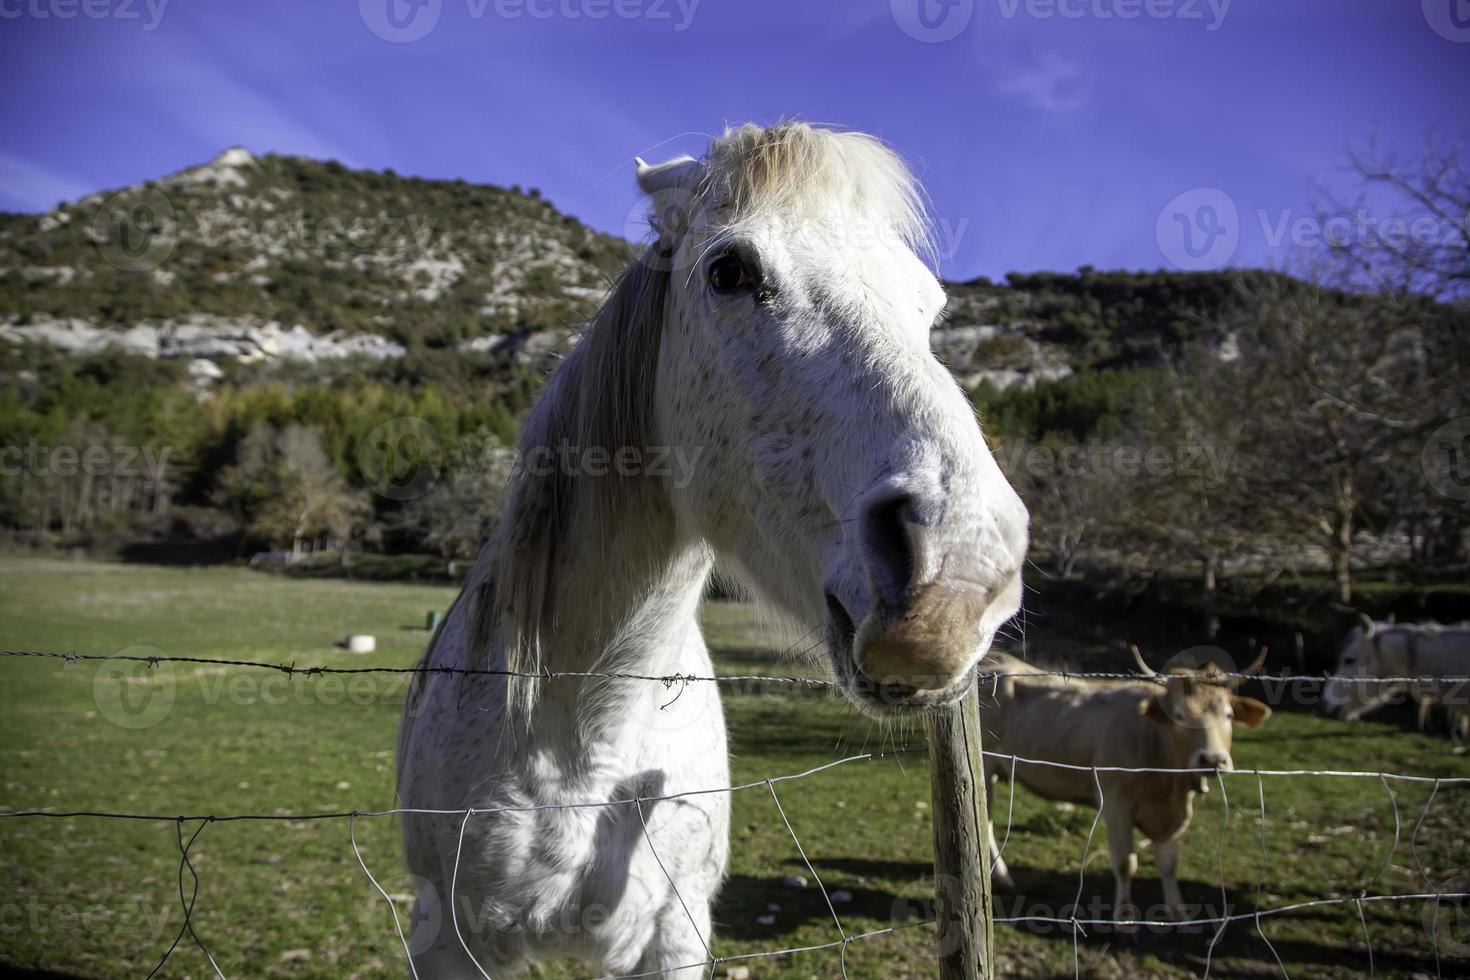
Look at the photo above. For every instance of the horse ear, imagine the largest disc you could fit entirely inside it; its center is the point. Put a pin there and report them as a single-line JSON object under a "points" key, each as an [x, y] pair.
{"points": [[680, 173]]}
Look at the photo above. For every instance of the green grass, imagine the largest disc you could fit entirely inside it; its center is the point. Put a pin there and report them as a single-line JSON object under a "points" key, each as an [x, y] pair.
{"points": [[285, 898]]}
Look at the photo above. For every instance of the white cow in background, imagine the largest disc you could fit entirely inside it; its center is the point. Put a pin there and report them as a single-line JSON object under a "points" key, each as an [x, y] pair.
{"points": [[1374, 650]]}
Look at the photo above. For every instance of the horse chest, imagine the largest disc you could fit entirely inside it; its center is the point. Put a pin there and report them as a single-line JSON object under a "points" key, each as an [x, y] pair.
{"points": [[557, 880]]}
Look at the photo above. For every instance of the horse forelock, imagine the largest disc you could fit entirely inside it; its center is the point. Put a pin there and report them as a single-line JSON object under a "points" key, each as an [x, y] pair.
{"points": [[600, 397], [799, 174]]}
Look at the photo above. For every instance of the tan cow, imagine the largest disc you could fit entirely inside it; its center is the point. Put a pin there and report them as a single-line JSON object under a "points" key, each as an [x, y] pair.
{"points": [[1182, 720]]}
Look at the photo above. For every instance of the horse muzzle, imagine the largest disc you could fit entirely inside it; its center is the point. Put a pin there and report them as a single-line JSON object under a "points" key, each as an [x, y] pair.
{"points": [[918, 653], [930, 568]]}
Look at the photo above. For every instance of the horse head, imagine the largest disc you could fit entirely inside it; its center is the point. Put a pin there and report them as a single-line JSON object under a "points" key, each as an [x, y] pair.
{"points": [[843, 473]]}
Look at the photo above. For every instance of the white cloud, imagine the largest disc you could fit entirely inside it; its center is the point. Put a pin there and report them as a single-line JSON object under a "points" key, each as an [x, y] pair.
{"points": [[1052, 85]]}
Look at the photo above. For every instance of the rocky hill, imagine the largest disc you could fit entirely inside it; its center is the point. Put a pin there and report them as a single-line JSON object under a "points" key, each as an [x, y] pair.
{"points": [[274, 258], [281, 256]]}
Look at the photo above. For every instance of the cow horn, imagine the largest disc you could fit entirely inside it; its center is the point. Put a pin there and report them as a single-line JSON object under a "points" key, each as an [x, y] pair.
{"points": [[1255, 665], [1143, 666], [1367, 622]]}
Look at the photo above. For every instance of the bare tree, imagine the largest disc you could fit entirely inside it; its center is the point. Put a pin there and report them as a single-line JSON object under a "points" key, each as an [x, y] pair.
{"points": [[1407, 230], [309, 499], [1332, 390], [1068, 489], [1190, 501], [457, 513]]}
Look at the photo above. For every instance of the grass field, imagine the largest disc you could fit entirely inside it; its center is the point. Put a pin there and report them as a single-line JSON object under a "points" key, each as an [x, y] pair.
{"points": [[285, 898]]}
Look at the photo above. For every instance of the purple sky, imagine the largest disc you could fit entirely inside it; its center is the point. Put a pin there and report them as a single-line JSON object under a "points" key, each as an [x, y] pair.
{"points": [[1050, 133]]}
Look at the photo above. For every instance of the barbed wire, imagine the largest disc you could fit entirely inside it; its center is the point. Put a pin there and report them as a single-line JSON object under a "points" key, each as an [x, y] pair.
{"points": [[680, 678]]}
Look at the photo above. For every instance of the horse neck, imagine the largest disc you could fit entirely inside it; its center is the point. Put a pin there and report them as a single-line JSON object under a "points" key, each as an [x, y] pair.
{"points": [[626, 602]]}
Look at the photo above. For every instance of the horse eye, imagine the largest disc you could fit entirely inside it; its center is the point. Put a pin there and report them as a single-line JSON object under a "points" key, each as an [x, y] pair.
{"points": [[728, 274]]}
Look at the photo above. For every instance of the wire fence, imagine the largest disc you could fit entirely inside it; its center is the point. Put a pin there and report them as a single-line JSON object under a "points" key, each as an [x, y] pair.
{"points": [[194, 824]]}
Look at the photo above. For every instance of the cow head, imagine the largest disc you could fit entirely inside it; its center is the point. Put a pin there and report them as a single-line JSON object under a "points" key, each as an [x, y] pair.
{"points": [[1198, 708], [1351, 691]]}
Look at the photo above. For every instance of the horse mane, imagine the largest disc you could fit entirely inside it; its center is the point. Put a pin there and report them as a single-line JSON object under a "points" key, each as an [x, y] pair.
{"points": [[602, 394]]}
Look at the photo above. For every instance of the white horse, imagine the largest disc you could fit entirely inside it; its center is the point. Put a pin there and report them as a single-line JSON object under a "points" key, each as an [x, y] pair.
{"points": [[777, 332], [1421, 650]]}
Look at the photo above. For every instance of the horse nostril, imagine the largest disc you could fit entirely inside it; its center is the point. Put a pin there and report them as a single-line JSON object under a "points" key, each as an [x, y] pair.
{"points": [[888, 546], [841, 621]]}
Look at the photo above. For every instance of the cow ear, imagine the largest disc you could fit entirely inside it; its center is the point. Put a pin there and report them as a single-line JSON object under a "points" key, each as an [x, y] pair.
{"points": [[1153, 710], [1249, 711]]}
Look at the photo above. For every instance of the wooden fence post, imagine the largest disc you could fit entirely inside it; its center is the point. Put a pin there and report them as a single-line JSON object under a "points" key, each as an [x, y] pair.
{"points": [[962, 900]]}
